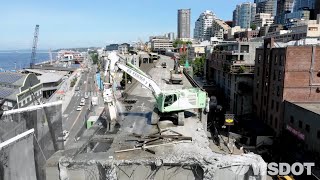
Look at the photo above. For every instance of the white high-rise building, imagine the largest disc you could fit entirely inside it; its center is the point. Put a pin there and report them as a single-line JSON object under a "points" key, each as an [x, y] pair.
{"points": [[202, 30]]}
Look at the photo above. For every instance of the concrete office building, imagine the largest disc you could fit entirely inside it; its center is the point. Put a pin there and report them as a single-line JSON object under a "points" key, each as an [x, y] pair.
{"points": [[203, 25], [219, 28], [283, 74], [262, 19], [19, 90], [266, 6], [184, 23], [160, 43], [231, 68], [244, 14], [124, 48]]}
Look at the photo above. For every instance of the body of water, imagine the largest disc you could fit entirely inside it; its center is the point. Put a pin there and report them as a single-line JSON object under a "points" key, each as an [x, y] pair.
{"points": [[11, 60]]}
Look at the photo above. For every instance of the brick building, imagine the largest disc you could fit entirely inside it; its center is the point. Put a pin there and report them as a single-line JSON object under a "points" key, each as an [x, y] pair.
{"points": [[289, 73]]}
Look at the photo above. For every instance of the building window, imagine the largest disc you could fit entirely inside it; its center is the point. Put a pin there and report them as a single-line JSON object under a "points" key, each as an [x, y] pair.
{"points": [[281, 60], [258, 83], [268, 59], [256, 96], [276, 59], [307, 127], [259, 58], [278, 91], [318, 134], [291, 119], [258, 71], [264, 100], [276, 123], [277, 106], [271, 119], [274, 74], [272, 104], [300, 124], [279, 76]]}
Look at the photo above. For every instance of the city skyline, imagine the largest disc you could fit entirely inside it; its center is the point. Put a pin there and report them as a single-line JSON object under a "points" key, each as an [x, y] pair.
{"points": [[77, 24]]}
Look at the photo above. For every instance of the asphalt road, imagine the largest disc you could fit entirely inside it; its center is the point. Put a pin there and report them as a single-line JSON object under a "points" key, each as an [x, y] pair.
{"points": [[72, 119]]}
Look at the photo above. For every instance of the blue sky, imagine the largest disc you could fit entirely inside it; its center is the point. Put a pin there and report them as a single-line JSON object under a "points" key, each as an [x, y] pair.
{"points": [[83, 23]]}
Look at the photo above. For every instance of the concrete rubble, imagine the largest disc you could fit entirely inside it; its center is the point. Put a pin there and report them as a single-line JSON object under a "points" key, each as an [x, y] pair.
{"points": [[98, 159]]}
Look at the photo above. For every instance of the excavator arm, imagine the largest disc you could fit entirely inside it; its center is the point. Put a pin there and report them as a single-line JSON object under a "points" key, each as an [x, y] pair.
{"points": [[136, 74]]}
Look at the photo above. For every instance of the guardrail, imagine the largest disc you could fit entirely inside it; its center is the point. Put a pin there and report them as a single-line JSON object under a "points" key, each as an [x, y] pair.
{"points": [[191, 80]]}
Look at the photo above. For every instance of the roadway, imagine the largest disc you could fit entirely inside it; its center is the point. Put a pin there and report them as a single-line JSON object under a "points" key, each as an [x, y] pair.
{"points": [[73, 120]]}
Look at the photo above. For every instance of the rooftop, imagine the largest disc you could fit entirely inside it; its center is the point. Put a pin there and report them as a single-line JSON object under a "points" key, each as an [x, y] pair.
{"points": [[12, 78], [313, 107], [8, 93]]}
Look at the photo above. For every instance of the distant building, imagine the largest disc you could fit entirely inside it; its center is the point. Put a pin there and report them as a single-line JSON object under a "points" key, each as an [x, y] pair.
{"points": [[233, 30], [283, 74], [197, 50], [112, 47], [123, 48], [297, 30], [266, 6], [303, 4], [19, 90], [202, 30], [219, 28], [184, 23], [171, 36], [160, 43], [283, 7], [246, 35], [231, 68], [230, 23], [262, 19], [244, 14]]}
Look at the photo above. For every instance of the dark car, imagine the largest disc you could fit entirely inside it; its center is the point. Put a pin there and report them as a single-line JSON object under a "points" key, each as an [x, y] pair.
{"points": [[164, 65]]}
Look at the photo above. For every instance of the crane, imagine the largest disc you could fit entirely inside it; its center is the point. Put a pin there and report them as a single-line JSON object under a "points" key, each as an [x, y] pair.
{"points": [[34, 46], [169, 103]]}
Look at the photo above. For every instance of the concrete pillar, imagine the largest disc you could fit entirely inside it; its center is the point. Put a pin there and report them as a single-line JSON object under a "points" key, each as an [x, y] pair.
{"points": [[204, 119]]}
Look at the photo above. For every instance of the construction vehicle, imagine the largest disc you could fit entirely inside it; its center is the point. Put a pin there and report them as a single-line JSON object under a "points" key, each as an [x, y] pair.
{"points": [[169, 103], [176, 73]]}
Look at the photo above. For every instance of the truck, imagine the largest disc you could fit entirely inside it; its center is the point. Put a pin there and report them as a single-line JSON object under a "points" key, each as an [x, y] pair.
{"points": [[170, 104], [176, 74]]}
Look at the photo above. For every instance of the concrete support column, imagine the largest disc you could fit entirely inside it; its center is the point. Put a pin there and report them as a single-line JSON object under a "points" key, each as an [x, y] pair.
{"points": [[204, 119]]}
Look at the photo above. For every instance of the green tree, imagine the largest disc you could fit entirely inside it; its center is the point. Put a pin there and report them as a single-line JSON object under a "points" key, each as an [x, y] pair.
{"points": [[198, 66], [253, 27]]}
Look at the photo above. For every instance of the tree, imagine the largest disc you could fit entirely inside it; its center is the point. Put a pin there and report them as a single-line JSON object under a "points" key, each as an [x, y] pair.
{"points": [[198, 66], [253, 27]]}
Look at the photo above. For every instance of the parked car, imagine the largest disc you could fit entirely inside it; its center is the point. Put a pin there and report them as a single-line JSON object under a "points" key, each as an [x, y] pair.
{"points": [[79, 108], [164, 65], [86, 96], [82, 103], [77, 88]]}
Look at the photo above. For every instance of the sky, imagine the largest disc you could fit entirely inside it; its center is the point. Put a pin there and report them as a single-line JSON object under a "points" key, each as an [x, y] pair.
{"points": [[84, 23]]}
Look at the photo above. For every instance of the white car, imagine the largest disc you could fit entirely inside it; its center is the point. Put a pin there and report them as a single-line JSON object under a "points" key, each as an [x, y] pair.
{"points": [[83, 100], [86, 96], [65, 134], [82, 103], [79, 108]]}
